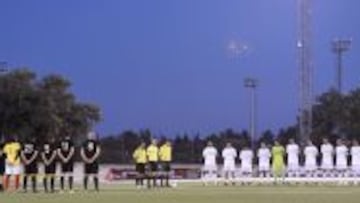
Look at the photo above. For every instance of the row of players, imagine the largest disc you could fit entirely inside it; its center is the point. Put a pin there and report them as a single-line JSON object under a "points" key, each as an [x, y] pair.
{"points": [[277, 154], [15, 156]]}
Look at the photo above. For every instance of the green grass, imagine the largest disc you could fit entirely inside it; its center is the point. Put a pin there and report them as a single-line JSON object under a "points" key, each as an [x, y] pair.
{"points": [[194, 193]]}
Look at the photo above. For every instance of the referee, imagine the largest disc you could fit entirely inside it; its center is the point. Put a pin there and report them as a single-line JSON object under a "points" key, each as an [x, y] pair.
{"points": [[153, 157], [140, 159], [165, 156]]}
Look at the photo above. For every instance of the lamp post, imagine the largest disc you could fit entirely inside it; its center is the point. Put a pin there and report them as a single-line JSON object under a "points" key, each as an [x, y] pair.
{"points": [[252, 83], [339, 47]]}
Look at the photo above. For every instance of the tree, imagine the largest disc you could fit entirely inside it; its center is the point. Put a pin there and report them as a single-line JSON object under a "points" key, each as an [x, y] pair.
{"points": [[42, 108]]}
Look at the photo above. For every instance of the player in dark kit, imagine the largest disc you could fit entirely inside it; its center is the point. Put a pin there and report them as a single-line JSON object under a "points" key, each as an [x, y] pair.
{"points": [[90, 152], [2, 165], [48, 156], [29, 154], [66, 153]]}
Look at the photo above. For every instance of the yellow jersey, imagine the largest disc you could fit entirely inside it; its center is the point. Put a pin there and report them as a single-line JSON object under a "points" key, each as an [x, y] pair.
{"points": [[152, 153], [12, 151], [139, 155], [165, 153]]}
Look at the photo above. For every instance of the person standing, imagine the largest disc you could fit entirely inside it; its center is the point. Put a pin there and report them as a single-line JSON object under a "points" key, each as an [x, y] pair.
{"points": [[153, 157], [48, 156], [293, 152], [229, 155], [90, 153], [66, 152], [278, 152], [264, 156], [140, 159], [29, 155], [311, 152], [210, 168], [165, 155], [2, 165], [12, 151]]}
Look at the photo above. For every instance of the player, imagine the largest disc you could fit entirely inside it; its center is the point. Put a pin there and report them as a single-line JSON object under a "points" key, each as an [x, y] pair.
{"points": [[140, 159], [310, 152], [292, 150], [327, 158], [355, 160], [229, 155], [2, 164], [210, 167], [12, 151], [165, 155], [48, 156], [341, 158], [29, 155], [153, 157], [90, 152], [264, 156], [66, 152], [246, 158], [278, 166]]}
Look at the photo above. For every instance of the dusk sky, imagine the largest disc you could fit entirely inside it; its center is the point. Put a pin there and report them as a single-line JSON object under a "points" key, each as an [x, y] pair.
{"points": [[164, 64]]}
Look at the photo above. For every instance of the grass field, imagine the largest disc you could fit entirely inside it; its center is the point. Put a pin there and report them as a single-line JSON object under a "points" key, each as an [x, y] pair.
{"points": [[192, 193]]}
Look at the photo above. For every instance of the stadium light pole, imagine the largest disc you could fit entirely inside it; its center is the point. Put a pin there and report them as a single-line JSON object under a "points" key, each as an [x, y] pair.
{"points": [[252, 83], [339, 47]]}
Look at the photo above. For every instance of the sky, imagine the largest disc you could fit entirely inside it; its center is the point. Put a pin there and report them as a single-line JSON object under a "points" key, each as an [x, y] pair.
{"points": [[165, 64]]}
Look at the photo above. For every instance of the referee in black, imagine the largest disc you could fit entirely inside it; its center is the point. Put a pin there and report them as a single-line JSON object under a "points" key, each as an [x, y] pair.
{"points": [[90, 152]]}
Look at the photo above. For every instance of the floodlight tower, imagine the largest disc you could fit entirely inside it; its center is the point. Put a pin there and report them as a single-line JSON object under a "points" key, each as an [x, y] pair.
{"points": [[305, 66], [339, 47], [252, 83]]}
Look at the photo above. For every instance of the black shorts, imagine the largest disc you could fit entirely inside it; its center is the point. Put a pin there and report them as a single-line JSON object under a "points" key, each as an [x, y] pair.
{"points": [[2, 166], [50, 169], [92, 168], [31, 169], [165, 166], [67, 167], [140, 168], [153, 166]]}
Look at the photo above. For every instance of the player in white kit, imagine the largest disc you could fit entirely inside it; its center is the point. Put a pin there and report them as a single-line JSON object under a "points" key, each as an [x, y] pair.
{"points": [[264, 156], [210, 167], [246, 157], [342, 153], [311, 152], [292, 150], [229, 155], [327, 158], [355, 159]]}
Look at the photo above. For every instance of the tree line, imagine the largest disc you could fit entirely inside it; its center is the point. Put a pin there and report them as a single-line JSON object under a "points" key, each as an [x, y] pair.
{"points": [[44, 107]]}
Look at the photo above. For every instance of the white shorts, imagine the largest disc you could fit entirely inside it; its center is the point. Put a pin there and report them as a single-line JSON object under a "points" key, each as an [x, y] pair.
{"points": [[229, 167], [355, 169], [246, 168], [12, 169], [210, 168], [327, 166], [341, 167], [310, 167], [293, 167], [264, 167]]}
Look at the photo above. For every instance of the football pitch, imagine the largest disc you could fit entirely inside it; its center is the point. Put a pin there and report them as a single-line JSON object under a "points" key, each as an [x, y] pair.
{"points": [[195, 193]]}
